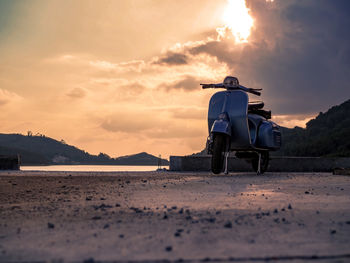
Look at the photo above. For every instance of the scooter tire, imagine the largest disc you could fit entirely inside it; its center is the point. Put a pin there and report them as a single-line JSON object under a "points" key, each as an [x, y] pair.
{"points": [[217, 159], [265, 158]]}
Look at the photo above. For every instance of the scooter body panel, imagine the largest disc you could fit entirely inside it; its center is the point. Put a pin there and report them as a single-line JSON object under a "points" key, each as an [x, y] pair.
{"points": [[235, 104], [221, 126]]}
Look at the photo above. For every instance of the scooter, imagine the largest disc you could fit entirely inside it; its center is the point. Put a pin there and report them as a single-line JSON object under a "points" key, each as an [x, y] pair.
{"points": [[239, 126]]}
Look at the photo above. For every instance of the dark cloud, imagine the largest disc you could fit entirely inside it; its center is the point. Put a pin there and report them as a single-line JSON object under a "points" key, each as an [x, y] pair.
{"points": [[299, 53], [188, 83], [172, 59]]}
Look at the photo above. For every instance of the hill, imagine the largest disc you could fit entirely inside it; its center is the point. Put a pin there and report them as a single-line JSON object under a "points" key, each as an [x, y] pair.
{"points": [[326, 135], [42, 150]]}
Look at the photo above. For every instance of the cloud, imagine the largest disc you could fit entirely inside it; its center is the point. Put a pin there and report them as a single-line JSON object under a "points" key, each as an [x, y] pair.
{"points": [[76, 93], [299, 58], [128, 122], [189, 113], [188, 83], [172, 59], [8, 97]]}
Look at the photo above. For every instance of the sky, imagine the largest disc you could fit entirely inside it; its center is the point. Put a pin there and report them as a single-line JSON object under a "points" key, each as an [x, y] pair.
{"points": [[122, 77]]}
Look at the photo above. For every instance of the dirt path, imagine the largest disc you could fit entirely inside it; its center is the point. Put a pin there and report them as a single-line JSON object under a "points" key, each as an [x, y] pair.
{"points": [[189, 216]]}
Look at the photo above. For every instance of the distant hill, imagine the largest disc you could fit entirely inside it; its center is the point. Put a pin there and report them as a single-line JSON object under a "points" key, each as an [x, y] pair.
{"points": [[326, 135], [41, 150]]}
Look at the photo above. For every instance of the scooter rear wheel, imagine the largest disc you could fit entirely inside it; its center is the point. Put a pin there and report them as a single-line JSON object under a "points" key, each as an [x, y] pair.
{"points": [[264, 162], [217, 159]]}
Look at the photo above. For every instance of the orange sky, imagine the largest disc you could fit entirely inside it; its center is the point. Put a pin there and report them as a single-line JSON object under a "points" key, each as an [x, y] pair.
{"points": [[112, 77]]}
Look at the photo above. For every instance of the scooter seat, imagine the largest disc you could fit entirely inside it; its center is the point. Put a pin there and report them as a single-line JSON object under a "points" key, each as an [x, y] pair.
{"points": [[256, 105]]}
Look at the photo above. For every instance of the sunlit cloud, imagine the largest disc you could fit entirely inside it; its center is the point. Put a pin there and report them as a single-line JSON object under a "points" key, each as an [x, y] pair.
{"points": [[8, 97], [237, 20]]}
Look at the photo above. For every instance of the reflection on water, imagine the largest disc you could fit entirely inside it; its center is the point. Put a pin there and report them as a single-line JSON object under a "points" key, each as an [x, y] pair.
{"points": [[92, 168]]}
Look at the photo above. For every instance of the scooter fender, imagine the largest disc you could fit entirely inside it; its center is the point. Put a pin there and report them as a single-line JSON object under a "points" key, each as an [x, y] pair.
{"points": [[221, 126]]}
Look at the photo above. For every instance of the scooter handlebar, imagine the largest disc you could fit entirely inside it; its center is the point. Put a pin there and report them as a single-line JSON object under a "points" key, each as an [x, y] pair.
{"points": [[212, 86], [220, 85]]}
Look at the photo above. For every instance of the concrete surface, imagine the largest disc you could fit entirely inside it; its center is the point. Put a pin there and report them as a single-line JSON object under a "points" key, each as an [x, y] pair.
{"points": [[277, 164], [189, 217]]}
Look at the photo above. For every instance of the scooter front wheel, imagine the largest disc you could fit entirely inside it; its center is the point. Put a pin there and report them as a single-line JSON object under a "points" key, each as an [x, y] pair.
{"points": [[217, 159]]}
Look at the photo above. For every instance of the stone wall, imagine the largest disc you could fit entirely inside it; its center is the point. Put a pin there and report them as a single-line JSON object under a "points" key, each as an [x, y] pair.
{"points": [[9, 162], [277, 164]]}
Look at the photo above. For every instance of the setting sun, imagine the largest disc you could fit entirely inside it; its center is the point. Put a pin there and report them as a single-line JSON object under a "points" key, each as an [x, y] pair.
{"points": [[238, 20]]}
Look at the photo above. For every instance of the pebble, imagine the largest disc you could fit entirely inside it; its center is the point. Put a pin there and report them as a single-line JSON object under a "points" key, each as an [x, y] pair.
{"points": [[290, 206], [228, 224], [90, 260], [168, 248], [50, 225]]}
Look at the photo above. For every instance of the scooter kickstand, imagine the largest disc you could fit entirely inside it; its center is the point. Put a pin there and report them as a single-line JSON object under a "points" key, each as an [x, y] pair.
{"points": [[226, 159], [259, 162]]}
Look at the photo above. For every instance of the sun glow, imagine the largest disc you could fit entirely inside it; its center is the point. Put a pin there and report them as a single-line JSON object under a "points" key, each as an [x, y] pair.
{"points": [[237, 20]]}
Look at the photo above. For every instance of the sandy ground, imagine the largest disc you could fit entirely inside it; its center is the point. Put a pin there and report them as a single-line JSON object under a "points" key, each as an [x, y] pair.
{"points": [[189, 217]]}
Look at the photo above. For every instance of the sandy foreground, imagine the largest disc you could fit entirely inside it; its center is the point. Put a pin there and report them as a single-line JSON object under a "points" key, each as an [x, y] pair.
{"points": [[155, 216]]}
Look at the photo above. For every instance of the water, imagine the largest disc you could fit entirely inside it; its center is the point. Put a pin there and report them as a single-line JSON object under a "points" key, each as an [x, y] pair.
{"points": [[92, 168]]}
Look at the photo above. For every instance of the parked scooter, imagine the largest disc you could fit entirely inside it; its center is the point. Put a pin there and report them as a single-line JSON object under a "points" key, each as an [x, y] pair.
{"points": [[236, 125]]}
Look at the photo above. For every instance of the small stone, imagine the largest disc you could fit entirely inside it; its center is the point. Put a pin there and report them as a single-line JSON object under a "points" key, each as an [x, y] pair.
{"points": [[96, 218], [174, 207], [275, 211], [333, 231], [90, 260], [177, 234], [106, 226], [50, 225], [121, 236], [165, 216], [168, 248], [117, 205], [307, 192], [290, 206], [88, 198], [228, 224]]}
